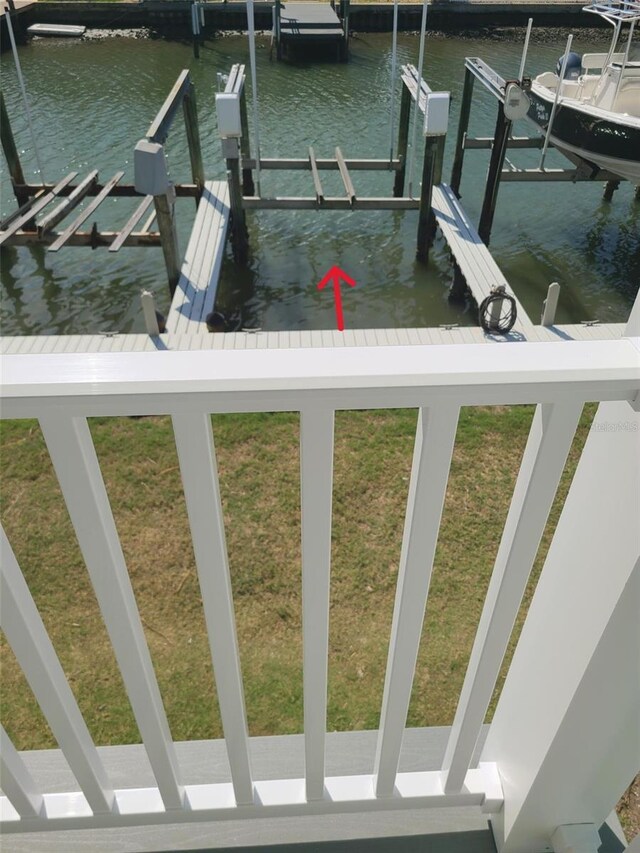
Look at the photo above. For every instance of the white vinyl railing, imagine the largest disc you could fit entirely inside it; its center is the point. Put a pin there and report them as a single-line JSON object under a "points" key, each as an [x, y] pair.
{"points": [[62, 391]]}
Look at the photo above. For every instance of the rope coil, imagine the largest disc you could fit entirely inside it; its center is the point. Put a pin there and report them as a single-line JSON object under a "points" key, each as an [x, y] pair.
{"points": [[498, 312]]}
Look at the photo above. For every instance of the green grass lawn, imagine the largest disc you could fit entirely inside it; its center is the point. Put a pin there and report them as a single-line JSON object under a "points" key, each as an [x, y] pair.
{"points": [[258, 462]]}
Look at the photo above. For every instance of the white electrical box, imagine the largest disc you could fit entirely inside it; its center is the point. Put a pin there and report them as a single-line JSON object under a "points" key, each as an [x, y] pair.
{"points": [[436, 117], [150, 168], [228, 110]]}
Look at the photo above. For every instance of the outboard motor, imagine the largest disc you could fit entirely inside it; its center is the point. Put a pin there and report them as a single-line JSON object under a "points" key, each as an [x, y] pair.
{"points": [[574, 66]]}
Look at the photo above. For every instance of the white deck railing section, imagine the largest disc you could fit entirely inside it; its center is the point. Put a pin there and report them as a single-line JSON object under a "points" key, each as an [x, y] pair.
{"points": [[62, 391]]}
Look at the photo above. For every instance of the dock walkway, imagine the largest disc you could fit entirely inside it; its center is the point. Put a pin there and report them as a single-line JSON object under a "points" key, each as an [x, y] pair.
{"points": [[300, 26], [195, 293], [474, 259]]}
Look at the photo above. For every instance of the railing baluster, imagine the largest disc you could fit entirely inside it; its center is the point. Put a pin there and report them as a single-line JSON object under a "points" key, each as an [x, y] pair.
{"points": [[316, 481], [17, 783], [34, 651], [196, 454], [77, 468], [549, 442], [435, 437]]}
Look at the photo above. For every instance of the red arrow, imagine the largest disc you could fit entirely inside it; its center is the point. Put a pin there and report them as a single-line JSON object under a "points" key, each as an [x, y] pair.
{"points": [[337, 274]]}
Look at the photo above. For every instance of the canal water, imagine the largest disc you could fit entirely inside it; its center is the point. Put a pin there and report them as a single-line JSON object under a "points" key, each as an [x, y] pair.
{"points": [[92, 101]]}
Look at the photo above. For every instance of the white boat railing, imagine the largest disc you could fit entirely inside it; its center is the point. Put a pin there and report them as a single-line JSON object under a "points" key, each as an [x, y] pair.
{"points": [[552, 726]]}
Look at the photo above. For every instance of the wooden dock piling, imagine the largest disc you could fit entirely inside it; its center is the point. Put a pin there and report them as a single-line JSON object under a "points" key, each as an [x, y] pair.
{"points": [[245, 144], [12, 156], [403, 141], [190, 109], [463, 125], [426, 219], [498, 152]]}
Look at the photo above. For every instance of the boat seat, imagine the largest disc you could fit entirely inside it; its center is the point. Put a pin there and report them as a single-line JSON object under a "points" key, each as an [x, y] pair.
{"points": [[597, 60], [548, 79]]}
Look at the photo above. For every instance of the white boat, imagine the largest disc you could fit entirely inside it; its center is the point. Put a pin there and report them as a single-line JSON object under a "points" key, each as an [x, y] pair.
{"points": [[66, 30], [595, 115]]}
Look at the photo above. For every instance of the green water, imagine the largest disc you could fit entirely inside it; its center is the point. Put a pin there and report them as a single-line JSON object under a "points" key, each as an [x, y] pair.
{"points": [[92, 101]]}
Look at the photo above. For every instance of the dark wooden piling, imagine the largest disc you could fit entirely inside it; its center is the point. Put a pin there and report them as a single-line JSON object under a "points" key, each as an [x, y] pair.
{"points": [[12, 156], [498, 152], [168, 237], [463, 125], [245, 147], [431, 166], [190, 110], [403, 141], [609, 188], [239, 231]]}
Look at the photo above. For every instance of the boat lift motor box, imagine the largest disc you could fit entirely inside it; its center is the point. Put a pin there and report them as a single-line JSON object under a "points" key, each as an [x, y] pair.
{"points": [[228, 112], [436, 114], [150, 168]]}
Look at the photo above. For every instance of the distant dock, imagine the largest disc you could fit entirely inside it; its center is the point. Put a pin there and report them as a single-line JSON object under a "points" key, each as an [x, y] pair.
{"points": [[299, 28]]}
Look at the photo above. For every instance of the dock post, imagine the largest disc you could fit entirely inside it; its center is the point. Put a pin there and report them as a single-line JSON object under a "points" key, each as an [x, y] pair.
{"points": [[426, 218], [190, 110], [248, 187], [463, 126], [403, 141], [164, 205], [609, 188], [12, 156], [550, 305], [152, 178], [498, 152], [239, 233], [346, 8], [277, 32], [195, 29]]}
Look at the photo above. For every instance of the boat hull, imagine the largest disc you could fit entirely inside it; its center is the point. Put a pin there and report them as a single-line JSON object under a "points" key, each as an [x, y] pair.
{"points": [[607, 143]]}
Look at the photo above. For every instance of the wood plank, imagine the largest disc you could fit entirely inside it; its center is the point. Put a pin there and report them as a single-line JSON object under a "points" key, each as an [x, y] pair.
{"points": [[68, 203], [86, 213], [346, 178], [159, 127], [6, 222], [35, 208], [316, 177], [132, 222]]}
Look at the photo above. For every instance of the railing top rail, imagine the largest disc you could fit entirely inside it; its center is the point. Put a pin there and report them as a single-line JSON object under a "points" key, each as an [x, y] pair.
{"points": [[350, 378], [160, 126]]}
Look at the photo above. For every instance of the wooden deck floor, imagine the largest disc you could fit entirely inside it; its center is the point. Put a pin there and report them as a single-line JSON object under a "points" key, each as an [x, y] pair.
{"points": [[309, 21], [195, 294]]}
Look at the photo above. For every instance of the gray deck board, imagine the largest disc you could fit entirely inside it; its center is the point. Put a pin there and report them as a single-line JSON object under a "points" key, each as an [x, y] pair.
{"points": [[294, 339], [297, 21], [472, 256], [195, 293]]}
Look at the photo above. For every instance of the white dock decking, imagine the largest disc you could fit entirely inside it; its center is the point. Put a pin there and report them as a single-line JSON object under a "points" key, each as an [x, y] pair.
{"points": [[196, 290], [297, 339], [475, 260]]}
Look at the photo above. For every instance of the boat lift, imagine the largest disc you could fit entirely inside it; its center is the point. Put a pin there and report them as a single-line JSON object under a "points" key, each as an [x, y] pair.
{"points": [[509, 110]]}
